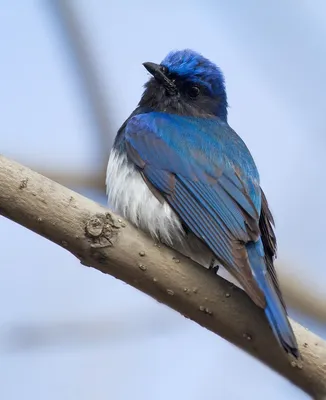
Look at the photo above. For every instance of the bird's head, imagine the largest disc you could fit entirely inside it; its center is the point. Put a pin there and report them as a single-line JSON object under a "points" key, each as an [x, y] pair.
{"points": [[185, 83]]}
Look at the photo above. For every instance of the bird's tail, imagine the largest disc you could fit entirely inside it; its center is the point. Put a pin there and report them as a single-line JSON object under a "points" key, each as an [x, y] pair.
{"points": [[274, 310]]}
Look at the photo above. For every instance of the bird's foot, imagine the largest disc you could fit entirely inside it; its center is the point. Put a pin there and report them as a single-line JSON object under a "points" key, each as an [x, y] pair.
{"points": [[213, 266]]}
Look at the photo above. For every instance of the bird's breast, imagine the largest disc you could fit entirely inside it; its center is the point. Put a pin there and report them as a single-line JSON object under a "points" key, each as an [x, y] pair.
{"points": [[129, 196]]}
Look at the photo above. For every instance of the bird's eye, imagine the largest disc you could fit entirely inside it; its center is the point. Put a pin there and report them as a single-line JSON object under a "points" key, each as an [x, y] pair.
{"points": [[193, 91]]}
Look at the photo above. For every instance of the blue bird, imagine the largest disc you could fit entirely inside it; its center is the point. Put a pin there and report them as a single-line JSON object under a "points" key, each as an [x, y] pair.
{"points": [[178, 171]]}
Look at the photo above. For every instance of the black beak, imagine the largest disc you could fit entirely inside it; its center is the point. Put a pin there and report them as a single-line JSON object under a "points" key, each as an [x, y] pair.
{"points": [[158, 72]]}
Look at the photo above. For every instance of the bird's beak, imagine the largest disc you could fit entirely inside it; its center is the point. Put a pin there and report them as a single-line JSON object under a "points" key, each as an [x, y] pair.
{"points": [[158, 73]]}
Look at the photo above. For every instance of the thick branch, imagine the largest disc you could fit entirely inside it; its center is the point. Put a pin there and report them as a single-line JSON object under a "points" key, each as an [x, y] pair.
{"points": [[104, 241], [298, 293]]}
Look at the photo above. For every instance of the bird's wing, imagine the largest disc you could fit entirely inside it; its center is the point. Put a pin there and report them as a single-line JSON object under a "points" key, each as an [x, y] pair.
{"points": [[266, 223], [183, 159]]}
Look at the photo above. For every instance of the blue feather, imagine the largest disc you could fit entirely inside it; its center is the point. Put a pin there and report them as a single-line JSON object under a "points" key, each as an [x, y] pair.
{"points": [[188, 64], [207, 175], [180, 141], [274, 309]]}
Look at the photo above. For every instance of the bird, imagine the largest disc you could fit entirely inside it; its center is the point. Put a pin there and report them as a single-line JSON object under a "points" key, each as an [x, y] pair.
{"points": [[180, 173]]}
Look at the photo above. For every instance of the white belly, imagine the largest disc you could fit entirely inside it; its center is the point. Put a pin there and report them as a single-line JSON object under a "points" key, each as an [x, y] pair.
{"points": [[130, 197]]}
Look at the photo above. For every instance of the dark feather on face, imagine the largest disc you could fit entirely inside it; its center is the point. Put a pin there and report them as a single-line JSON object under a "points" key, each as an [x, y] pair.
{"points": [[191, 86]]}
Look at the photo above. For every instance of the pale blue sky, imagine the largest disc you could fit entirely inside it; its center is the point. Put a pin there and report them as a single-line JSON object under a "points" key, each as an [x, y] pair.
{"points": [[274, 61]]}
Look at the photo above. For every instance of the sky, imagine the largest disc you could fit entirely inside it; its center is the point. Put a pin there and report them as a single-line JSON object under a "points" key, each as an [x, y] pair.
{"points": [[70, 332]]}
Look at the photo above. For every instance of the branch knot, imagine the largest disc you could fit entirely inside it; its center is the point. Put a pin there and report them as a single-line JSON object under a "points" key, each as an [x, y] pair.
{"points": [[102, 229]]}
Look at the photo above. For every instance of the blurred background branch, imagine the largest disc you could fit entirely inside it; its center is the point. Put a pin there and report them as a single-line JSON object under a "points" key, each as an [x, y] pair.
{"points": [[92, 331], [80, 50]]}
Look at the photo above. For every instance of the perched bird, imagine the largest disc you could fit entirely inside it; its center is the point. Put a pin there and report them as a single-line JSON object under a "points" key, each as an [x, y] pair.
{"points": [[178, 171]]}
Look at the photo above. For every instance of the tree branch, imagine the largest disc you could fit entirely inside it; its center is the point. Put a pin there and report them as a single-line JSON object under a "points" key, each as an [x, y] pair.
{"points": [[298, 294], [102, 240]]}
